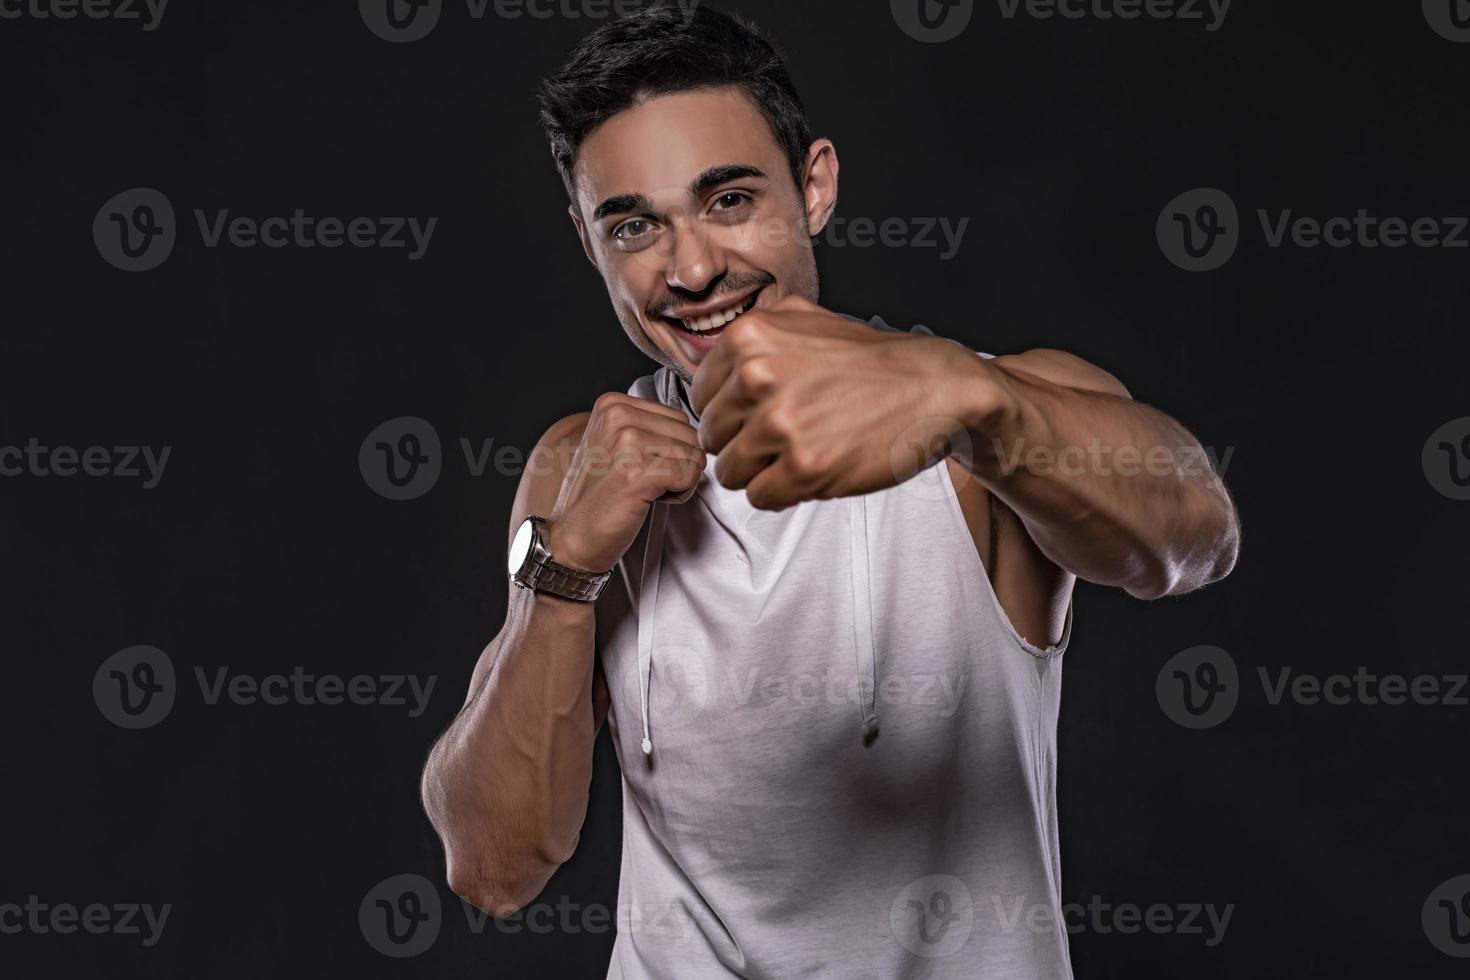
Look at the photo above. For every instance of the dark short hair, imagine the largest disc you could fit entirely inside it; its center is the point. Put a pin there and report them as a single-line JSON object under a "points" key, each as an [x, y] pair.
{"points": [[660, 50]]}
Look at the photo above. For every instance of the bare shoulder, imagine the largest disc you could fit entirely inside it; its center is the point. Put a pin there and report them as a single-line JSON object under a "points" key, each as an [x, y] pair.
{"points": [[1062, 368]]}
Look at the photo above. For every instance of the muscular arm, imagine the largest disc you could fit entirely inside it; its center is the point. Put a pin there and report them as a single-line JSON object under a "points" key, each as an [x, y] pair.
{"points": [[1111, 490], [506, 785]]}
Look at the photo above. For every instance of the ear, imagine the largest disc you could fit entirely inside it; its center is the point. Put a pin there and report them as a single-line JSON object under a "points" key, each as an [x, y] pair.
{"points": [[819, 188], [582, 233]]}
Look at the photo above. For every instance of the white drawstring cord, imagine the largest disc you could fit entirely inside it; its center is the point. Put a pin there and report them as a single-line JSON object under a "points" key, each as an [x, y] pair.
{"points": [[647, 602]]}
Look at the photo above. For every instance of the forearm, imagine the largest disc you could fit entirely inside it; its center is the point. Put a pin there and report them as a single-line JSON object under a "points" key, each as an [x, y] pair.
{"points": [[506, 786], [1114, 491]]}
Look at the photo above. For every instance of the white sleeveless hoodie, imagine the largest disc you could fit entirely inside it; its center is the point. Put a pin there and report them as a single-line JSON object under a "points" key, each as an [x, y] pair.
{"points": [[838, 757]]}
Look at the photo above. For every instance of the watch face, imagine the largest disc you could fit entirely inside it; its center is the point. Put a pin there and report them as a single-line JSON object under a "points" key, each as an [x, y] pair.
{"points": [[520, 546]]}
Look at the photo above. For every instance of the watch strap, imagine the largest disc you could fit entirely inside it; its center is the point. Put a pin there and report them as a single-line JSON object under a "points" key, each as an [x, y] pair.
{"points": [[543, 573]]}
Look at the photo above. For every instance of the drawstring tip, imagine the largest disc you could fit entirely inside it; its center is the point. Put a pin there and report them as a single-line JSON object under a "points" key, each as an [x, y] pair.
{"points": [[647, 747]]}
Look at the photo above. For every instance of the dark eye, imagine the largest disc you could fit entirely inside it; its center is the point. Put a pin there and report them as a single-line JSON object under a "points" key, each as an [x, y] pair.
{"points": [[633, 229], [730, 200]]}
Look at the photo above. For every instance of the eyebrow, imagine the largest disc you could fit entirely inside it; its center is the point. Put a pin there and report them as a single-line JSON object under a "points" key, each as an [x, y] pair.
{"points": [[713, 177]]}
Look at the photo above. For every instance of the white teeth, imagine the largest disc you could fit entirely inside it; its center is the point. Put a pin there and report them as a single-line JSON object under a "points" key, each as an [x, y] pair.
{"points": [[703, 323]]}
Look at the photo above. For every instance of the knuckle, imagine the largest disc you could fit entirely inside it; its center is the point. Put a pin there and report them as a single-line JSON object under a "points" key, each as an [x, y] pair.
{"points": [[618, 415], [805, 463], [627, 447], [606, 401], [746, 330], [781, 422], [755, 376]]}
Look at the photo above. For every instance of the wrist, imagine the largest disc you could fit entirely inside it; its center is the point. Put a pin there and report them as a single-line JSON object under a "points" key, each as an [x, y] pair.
{"points": [[989, 407], [563, 543]]}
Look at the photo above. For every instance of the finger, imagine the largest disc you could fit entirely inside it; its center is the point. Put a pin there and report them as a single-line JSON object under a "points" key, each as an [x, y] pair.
{"points": [[660, 428], [611, 398], [693, 478], [629, 416], [674, 478], [710, 376], [794, 301], [649, 459], [743, 458], [731, 407], [740, 339], [775, 488]]}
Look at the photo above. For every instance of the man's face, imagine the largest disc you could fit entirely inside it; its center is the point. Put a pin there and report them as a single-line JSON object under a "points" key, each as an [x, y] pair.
{"points": [[687, 206]]}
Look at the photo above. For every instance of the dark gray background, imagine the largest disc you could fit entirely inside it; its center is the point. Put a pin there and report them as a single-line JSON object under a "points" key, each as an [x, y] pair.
{"points": [[263, 548]]}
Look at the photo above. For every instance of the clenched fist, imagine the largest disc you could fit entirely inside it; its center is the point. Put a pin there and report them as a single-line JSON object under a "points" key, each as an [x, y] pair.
{"points": [[633, 451], [799, 403]]}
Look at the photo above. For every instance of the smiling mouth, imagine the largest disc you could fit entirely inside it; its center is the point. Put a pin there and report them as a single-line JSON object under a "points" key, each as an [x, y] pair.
{"points": [[714, 324]]}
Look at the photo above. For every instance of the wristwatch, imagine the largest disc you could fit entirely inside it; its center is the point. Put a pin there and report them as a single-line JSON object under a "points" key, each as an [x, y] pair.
{"points": [[532, 567]]}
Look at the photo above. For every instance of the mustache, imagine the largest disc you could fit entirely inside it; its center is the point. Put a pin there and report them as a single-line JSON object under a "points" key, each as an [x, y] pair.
{"points": [[728, 286]]}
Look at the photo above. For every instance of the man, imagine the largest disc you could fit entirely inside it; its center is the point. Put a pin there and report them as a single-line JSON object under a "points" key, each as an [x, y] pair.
{"points": [[815, 573]]}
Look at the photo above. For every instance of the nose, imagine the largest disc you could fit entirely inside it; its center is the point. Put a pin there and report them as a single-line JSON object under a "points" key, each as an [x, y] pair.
{"points": [[695, 261]]}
